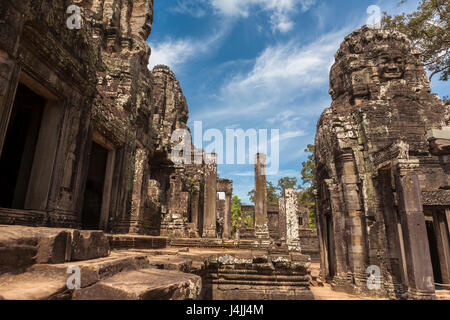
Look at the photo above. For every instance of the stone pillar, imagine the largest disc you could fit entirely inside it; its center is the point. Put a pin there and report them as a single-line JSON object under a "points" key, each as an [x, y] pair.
{"points": [[319, 226], [226, 186], [447, 213], [174, 223], [261, 220], [227, 217], [282, 218], [292, 233], [195, 198], [338, 233], [220, 217], [418, 259], [209, 212], [139, 190], [353, 219]]}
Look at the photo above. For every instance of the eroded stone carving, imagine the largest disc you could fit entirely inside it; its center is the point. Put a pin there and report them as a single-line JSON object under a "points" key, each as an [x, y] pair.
{"points": [[373, 157]]}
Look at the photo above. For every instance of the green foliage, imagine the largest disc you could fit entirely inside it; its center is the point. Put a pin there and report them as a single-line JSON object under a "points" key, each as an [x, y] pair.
{"points": [[286, 183], [272, 195], [305, 194], [249, 219], [429, 30], [309, 167], [236, 205], [312, 219]]}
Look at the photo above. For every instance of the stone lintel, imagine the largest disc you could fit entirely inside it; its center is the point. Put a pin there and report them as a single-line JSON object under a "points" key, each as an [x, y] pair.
{"points": [[443, 133]]}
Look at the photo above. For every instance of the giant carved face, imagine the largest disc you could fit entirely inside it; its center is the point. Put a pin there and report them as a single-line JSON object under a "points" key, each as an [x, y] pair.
{"points": [[336, 82], [390, 65]]}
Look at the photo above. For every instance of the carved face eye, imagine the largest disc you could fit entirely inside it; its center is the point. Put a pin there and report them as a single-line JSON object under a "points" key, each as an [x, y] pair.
{"points": [[398, 60], [384, 60]]}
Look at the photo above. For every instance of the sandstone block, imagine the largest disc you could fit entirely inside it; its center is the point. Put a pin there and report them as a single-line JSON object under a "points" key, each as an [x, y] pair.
{"points": [[147, 284], [87, 245]]}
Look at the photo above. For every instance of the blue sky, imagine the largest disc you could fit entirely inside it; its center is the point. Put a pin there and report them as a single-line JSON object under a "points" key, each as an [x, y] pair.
{"points": [[259, 64]]}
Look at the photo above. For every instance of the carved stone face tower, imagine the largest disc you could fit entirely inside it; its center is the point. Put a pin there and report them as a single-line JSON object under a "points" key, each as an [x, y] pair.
{"points": [[376, 169], [374, 65]]}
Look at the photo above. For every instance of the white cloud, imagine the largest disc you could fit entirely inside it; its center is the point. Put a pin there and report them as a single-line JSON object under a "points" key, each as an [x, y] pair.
{"points": [[280, 76], [174, 53], [288, 135], [195, 8], [279, 11]]}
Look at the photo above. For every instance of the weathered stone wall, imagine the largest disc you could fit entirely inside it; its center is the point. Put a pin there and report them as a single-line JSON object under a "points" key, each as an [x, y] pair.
{"points": [[97, 81], [38, 50], [257, 277], [381, 111]]}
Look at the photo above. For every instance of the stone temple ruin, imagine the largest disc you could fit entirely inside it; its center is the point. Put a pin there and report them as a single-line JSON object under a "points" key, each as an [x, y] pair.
{"points": [[382, 151], [85, 144], [92, 205]]}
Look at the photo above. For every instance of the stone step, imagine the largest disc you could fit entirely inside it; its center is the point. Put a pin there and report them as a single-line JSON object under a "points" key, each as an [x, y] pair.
{"points": [[49, 281], [22, 247], [214, 243], [443, 294], [145, 284], [128, 241]]}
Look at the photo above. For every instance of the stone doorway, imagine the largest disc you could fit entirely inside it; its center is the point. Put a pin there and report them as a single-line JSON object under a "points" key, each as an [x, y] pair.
{"points": [[434, 252], [16, 161], [439, 243], [329, 246], [97, 192]]}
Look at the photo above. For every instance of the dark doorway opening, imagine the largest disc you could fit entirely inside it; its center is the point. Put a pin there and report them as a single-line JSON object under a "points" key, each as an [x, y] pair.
{"points": [[19, 148], [93, 194], [432, 241], [330, 251]]}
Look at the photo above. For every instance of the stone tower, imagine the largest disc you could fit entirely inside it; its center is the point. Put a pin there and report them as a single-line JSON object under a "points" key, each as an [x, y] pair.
{"points": [[380, 185]]}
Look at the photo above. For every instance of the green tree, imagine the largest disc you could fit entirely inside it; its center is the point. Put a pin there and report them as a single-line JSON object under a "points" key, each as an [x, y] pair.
{"points": [[305, 194], [429, 30], [287, 183], [236, 205], [272, 196]]}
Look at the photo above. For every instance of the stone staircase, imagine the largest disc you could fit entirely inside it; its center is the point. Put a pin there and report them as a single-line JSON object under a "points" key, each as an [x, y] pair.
{"points": [[442, 294], [39, 263]]}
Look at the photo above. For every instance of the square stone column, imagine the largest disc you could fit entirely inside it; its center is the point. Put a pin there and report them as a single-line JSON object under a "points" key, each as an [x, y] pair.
{"points": [[261, 219], [353, 220], [282, 218], [195, 199], [227, 217], [139, 191], [209, 212], [226, 186], [337, 229], [292, 233], [447, 213], [417, 251]]}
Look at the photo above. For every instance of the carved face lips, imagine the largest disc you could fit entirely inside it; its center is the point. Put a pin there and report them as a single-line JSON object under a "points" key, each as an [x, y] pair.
{"points": [[391, 67]]}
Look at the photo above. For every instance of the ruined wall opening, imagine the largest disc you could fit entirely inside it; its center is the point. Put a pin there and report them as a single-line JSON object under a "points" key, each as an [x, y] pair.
{"points": [[19, 149], [329, 246], [432, 241], [438, 233], [93, 194]]}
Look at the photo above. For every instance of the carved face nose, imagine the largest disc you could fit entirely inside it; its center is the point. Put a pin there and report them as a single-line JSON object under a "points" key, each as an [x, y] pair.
{"points": [[331, 92]]}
